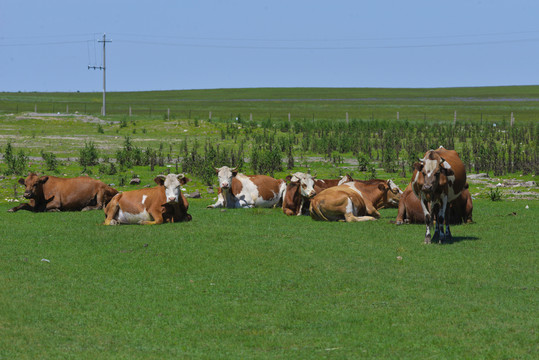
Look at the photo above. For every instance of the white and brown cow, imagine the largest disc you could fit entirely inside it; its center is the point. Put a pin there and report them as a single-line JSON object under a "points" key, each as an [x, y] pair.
{"points": [[438, 179], [245, 191], [299, 190], [51, 193], [151, 206], [302, 187], [355, 201]]}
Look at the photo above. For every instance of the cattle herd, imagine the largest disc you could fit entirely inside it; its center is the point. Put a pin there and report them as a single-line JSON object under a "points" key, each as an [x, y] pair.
{"points": [[437, 192]]}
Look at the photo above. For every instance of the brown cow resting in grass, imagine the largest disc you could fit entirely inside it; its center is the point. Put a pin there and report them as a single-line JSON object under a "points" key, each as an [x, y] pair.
{"points": [[355, 201], [411, 212], [438, 179], [152, 206], [246, 191], [50, 193], [301, 188]]}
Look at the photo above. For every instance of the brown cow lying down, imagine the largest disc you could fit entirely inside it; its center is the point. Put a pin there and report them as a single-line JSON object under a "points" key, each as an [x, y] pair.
{"points": [[355, 201], [50, 193], [152, 206], [301, 188], [411, 212], [246, 191]]}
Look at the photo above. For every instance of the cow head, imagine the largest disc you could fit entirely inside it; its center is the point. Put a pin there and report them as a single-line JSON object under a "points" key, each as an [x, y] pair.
{"points": [[346, 178], [33, 186], [431, 173], [172, 184], [392, 194], [225, 175], [305, 182]]}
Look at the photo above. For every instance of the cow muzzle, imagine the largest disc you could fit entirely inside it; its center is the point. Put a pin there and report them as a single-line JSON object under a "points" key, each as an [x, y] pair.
{"points": [[27, 195]]}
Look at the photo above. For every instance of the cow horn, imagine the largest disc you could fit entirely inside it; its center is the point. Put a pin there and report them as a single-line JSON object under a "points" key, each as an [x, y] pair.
{"points": [[180, 176]]}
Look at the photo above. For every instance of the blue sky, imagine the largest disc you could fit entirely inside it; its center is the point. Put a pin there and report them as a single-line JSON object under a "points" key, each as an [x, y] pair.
{"points": [[163, 45]]}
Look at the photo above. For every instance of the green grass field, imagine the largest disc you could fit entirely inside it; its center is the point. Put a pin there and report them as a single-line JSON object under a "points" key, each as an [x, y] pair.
{"points": [[257, 284], [254, 283]]}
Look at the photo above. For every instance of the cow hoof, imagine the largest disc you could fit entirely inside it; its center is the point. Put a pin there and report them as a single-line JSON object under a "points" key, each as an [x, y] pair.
{"points": [[399, 222], [427, 239]]}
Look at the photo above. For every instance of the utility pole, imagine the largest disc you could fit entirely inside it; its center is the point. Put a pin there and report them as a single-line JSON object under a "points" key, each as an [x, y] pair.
{"points": [[104, 41]]}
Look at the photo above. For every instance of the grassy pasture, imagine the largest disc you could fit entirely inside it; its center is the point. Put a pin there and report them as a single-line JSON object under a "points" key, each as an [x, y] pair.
{"points": [[257, 284]]}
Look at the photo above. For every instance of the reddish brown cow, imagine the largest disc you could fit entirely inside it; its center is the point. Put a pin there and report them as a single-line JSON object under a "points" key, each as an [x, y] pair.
{"points": [[246, 191], [322, 184], [438, 179], [50, 193], [411, 212], [355, 201], [163, 203]]}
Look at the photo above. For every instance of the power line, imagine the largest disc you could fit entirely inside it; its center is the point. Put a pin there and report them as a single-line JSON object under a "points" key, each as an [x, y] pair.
{"points": [[331, 39], [364, 47]]}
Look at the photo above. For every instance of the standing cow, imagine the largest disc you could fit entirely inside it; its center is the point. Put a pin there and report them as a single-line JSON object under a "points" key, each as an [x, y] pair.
{"points": [[241, 191], [438, 179], [152, 206], [50, 193]]}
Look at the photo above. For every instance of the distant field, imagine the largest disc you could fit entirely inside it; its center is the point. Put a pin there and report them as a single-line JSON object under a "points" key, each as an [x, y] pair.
{"points": [[487, 103]]}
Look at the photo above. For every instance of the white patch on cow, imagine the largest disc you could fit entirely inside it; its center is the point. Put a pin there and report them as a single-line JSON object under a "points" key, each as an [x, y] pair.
{"points": [[144, 197], [430, 167], [353, 187], [350, 208], [393, 186], [250, 197], [128, 218]]}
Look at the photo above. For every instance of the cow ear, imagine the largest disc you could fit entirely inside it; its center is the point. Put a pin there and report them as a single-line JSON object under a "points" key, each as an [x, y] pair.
{"points": [[288, 178], [383, 187], [234, 171], [43, 179], [418, 166], [216, 170], [21, 181], [160, 180], [447, 171], [184, 180]]}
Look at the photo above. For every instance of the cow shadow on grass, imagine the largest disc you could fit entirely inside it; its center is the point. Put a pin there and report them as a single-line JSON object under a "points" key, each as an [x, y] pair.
{"points": [[457, 239]]}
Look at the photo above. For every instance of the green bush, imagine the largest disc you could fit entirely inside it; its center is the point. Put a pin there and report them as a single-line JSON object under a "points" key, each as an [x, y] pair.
{"points": [[51, 163], [88, 156], [16, 163]]}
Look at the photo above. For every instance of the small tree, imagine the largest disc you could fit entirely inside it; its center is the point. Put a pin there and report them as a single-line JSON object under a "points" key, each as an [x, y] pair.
{"points": [[88, 156], [15, 163]]}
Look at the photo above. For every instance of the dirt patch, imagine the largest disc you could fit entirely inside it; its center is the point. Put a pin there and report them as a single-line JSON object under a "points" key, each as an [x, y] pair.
{"points": [[51, 116]]}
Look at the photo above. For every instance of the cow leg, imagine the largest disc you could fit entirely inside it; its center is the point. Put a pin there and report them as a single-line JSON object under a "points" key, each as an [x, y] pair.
{"points": [[111, 211], [428, 221], [157, 216], [447, 236], [443, 211], [349, 217], [24, 206], [438, 227], [300, 207]]}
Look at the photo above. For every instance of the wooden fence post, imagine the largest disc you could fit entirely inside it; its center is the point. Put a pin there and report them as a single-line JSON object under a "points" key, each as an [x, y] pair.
{"points": [[129, 110], [35, 108], [455, 118], [512, 119], [210, 115], [168, 114], [397, 116]]}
